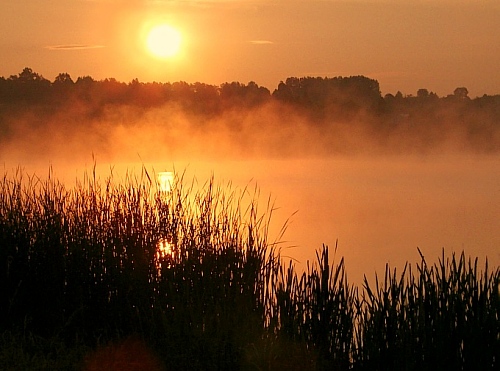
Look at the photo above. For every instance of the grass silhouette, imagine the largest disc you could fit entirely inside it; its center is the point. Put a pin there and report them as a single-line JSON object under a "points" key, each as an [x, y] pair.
{"points": [[83, 282]]}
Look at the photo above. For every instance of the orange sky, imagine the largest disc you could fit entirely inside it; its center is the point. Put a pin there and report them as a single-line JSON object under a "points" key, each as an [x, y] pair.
{"points": [[404, 44]]}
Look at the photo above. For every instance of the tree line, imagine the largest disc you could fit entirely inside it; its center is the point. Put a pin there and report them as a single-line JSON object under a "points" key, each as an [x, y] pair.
{"points": [[310, 92], [325, 102]]}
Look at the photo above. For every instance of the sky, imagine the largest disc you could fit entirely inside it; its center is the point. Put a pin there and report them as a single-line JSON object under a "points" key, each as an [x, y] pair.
{"points": [[404, 44]]}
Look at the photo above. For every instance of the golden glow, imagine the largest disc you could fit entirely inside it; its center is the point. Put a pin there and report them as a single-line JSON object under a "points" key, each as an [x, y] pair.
{"points": [[164, 249], [163, 41], [165, 180], [165, 253]]}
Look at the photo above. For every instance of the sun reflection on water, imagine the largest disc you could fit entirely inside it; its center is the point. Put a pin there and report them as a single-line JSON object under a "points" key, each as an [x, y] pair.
{"points": [[165, 253], [165, 249], [165, 180]]}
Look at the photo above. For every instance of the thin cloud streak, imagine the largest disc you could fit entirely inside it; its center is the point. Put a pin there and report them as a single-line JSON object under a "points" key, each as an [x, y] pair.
{"points": [[261, 42], [73, 47]]}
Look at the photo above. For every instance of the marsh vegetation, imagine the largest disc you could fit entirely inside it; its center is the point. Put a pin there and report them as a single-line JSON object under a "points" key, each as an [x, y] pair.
{"points": [[80, 270]]}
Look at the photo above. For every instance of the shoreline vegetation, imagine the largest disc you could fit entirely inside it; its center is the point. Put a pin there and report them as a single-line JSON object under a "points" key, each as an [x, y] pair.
{"points": [[128, 276], [306, 115]]}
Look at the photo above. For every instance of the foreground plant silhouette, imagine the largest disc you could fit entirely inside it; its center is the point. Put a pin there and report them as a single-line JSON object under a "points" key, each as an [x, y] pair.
{"points": [[81, 268]]}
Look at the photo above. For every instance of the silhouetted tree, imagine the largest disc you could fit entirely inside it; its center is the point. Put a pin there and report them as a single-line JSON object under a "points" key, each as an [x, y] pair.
{"points": [[4, 89], [181, 91], [422, 93], [112, 91], [63, 88], [147, 94], [339, 94], [461, 93], [63, 78], [86, 81], [28, 76], [238, 94], [207, 98], [28, 86], [84, 86]]}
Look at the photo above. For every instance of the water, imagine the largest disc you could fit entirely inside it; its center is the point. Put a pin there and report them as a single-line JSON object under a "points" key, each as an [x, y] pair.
{"points": [[378, 208]]}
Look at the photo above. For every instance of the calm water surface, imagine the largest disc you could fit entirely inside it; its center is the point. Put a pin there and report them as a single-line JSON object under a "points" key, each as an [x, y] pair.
{"points": [[379, 208]]}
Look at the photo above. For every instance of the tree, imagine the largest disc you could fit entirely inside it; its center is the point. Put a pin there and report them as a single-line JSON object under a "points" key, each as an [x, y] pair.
{"points": [[236, 93], [63, 79], [29, 86], [28, 76], [85, 80], [461, 93], [422, 93]]}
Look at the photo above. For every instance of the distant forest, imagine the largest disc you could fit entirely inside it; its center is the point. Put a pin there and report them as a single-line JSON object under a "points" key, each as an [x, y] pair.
{"points": [[324, 102]]}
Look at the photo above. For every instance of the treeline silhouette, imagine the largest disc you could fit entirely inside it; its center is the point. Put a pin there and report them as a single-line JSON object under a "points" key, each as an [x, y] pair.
{"points": [[424, 119]]}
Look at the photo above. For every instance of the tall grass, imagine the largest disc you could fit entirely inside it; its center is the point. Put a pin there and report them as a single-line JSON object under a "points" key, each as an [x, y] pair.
{"points": [[316, 309], [84, 265], [447, 316]]}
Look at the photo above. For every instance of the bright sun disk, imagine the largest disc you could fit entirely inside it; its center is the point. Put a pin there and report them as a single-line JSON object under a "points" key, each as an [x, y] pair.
{"points": [[163, 41]]}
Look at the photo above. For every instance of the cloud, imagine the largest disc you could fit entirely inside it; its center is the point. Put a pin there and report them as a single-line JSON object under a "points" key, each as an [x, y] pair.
{"points": [[261, 42], [73, 47]]}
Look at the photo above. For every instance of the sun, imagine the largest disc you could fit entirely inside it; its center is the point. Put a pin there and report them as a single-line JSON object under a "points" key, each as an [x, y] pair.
{"points": [[165, 180], [163, 41]]}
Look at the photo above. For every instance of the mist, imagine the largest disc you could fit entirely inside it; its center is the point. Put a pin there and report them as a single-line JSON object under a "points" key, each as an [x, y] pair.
{"points": [[377, 192]]}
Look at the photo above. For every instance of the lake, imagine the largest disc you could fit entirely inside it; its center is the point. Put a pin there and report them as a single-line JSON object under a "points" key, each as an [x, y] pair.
{"points": [[379, 208]]}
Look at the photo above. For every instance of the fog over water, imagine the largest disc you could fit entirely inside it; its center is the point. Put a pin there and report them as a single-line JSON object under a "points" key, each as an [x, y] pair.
{"points": [[379, 208], [379, 205]]}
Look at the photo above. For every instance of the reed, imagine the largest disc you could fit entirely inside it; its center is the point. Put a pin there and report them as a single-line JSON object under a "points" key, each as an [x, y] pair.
{"points": [[444, 317], [84, 263], [192, 274], [316, 308]]}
